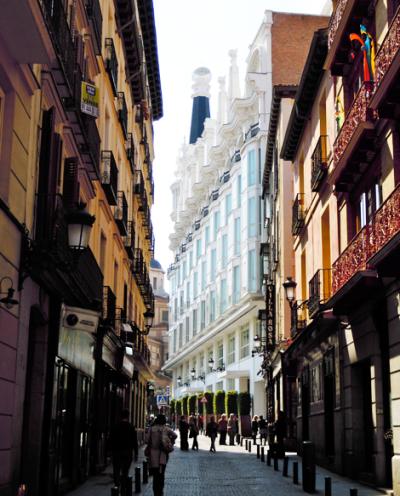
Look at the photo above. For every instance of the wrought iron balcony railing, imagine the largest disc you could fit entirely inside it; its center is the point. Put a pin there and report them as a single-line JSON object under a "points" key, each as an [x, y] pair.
{"points": [[139, 188], [298, 214], [121, 213], [320, 289], [96, 20], [253, 131], [335, 20], [109, 176], [109, 306], [129, 240], [139, 271], [384, 225], [298, 318], [92, 140], [112, 63], [319, 163], [123, 112], [131, 152]]}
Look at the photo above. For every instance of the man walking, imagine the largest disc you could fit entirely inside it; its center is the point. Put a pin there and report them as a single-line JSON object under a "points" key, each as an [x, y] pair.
{"points": [[124, 444]]}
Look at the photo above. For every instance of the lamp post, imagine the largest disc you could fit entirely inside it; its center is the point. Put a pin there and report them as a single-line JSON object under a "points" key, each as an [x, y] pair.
{"points": [[290, 286], [9, 301], [179, 380], [221, 368], [79, 223], [200, 377], [148, 321]]}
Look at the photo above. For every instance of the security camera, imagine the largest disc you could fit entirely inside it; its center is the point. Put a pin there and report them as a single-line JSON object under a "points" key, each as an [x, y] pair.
{"points": [[72, 319]]}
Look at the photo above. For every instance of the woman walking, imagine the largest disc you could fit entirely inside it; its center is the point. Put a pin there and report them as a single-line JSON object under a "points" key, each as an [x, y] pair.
{"points": [[254, 428], [262, 425], [211, 432], [159, 440], [232, 429], [193, 432], [183, 432], [222, 429]]}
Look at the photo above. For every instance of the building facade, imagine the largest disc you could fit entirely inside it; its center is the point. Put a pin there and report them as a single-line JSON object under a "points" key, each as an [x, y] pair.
{"points": [[82, 101]]}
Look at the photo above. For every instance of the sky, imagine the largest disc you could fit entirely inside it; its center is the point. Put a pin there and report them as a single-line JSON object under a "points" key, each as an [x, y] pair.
{"points": [[190, 34]]}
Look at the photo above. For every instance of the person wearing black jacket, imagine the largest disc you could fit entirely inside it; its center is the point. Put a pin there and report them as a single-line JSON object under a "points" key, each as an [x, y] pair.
{"points": [[124, 444]]}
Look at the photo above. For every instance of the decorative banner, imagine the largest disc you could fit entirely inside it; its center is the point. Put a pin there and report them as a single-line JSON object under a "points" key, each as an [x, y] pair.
{"points": [[89, 99]]}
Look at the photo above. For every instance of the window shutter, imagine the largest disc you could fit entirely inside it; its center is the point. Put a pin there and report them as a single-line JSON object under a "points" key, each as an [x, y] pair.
{"points": [[71, 184]]}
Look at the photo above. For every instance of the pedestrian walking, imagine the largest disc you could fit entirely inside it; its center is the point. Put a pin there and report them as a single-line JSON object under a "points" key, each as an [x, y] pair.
{"points": [[201, 424], [262, 425], [254, 428], [232, 429], [183, 432], [222, 429], [160, 442], [193, 432], [124, 445], [211, 432]]}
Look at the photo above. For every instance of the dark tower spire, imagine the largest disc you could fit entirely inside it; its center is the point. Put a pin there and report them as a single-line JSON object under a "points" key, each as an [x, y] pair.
{"points": [[201, 102]]}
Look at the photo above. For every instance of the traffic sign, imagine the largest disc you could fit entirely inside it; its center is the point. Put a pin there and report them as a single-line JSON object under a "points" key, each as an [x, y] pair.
{"points": [[162, 400], [203, 400]]}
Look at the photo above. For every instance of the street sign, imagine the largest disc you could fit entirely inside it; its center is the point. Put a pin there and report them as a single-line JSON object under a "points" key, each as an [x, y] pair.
{"points": [[203, 400], [162, 400]]}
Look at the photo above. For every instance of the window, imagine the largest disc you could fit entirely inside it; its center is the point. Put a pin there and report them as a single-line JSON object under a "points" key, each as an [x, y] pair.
{"points": [[164, 316], [188, 298], [203, 275], [194, 321], [224, 250], [251, 168], [206, 237], [252, 217], [252, 273], [201, 363], [230, 384], [184, 270], [180, 335], [244, 343], [212, 306], [369, 202], [230, 357], [210, 355], [223, 303], [216, 224], [236, 284], [213, 263], [195, 285], [237, 236], [181, 303], [190, 260], [198, 248], [228, 206], [220, 355], [239, 191], [219, 386], [174, 340], [154, 282], [176, 309], [202, 315], [315, 377], [187, 328]]}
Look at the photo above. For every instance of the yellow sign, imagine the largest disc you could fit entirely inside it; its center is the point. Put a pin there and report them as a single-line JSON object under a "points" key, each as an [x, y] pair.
{"points": [[89, 99]]}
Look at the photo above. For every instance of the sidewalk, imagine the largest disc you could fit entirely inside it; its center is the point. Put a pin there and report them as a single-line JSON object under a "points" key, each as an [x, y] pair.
{"points": [[230, 472]]}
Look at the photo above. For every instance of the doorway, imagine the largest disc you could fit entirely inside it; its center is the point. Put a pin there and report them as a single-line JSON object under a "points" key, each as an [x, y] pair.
{"points": [[329, 402], [305, 404]]}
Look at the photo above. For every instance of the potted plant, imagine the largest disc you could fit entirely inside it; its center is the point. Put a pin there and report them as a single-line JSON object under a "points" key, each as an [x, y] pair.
{"points": [[219, 402], [185, 405], [192, 404], [231, 402]]}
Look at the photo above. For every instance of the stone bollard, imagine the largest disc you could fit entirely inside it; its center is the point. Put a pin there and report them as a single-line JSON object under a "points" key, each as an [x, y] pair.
{"points": [[269, 458], [145, 472], [246, 445], [308, 466], [128, 490], [285, 466], [258, 451], [276, 466], [263, 454], [353, 491], [137, 480], [328, 486], [249, 446], [241, 440], [295, 472], [115, 491]]}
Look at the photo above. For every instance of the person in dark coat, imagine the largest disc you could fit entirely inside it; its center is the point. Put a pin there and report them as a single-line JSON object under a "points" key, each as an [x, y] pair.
{"points": [[254, 428], [124, 445], [280, 431], [222, 429], [183, 432], [194, 432], [211, 432], [262, 425]]}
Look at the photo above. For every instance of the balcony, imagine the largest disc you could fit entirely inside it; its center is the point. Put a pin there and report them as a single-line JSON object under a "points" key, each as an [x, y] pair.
{"points": [[225, 177], [196, 225], [109, 306], [298, 214], [354, 145], [298, 318], [131, 152], [319, 163], [319, 291], [109, 176], [214, 195], [139, 189], [387, 63], [139, 271], [121, 213], [236, 157], [123, 112], [93, 11], [346, 19], [111, 64], [129, 240]]}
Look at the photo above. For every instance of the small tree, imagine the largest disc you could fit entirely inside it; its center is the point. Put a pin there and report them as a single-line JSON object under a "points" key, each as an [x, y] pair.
{"points": [[178, 407], [219, 402], [210, 402], [172, 407], [244, 403], [192, 404], [231, 402], [185, 405]]}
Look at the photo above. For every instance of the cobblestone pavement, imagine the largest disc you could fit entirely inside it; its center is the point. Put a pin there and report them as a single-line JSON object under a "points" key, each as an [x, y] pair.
{"points": [[230, 472]]}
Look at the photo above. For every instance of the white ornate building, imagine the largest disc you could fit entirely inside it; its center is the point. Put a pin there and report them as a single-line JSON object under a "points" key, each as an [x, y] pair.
{"points": [[216, 277]]}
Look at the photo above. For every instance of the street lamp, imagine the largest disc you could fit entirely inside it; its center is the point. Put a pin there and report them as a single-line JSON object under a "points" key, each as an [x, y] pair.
{"points": [[221, 368], [79, 224], [148, 321], [9, 301], [290, 286], [193, 373], [179, 380]]}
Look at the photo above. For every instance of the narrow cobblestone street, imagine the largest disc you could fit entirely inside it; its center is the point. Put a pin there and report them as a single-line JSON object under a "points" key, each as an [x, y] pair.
{"points": [[230, 472]]}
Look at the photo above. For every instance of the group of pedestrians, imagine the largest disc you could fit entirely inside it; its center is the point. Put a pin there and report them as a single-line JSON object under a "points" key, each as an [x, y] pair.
{"points": [[190, 429]]}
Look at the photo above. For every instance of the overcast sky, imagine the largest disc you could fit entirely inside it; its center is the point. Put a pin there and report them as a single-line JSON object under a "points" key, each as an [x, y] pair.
{"points": [[190, 34]]}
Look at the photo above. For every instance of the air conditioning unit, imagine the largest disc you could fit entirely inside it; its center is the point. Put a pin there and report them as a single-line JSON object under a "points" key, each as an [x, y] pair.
{"points": [[79, 319]]}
